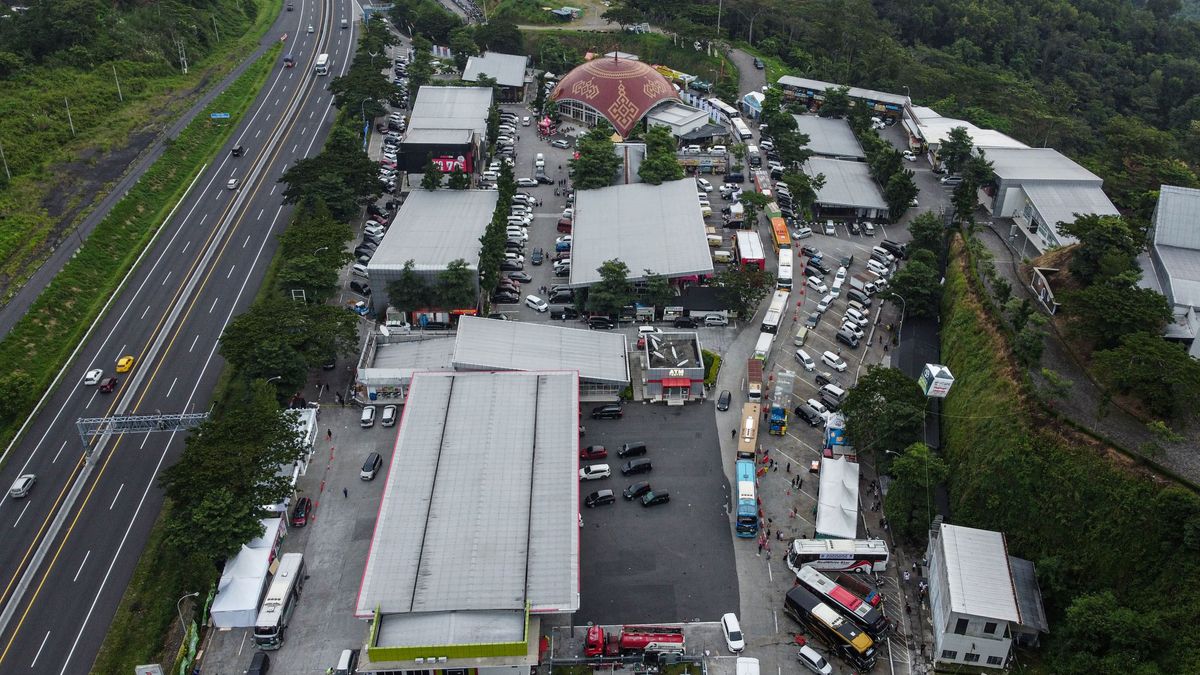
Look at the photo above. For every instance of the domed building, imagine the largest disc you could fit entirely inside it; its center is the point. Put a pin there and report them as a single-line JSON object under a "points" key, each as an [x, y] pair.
{"points": [[618, 90]]}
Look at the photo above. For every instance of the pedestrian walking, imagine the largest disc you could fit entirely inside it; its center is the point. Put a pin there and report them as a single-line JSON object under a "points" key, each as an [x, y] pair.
{"points": [[914, 566], [346, 493], [329, 434], [733, 433], [907, 608], [789, 467], [774, 466], [760, 545], [907, 576]]}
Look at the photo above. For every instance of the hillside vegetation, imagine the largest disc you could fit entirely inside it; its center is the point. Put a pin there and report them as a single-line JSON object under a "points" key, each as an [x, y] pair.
{"points": [[1115, 548], [74, 53]]}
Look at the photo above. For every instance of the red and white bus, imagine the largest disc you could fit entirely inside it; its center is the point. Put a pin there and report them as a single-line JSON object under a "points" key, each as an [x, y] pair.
{"points": [[838, 555], [749, 249]]}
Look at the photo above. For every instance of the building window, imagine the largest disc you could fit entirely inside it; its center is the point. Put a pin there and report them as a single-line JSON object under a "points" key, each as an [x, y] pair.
{"points": [[960, 628], [949, 655], [971, 658], [989, 627], [995, 661]]}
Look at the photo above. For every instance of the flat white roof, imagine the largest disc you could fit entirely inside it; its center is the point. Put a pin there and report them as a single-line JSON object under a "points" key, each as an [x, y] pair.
{"points": [[934, 128], [451, 108], [488, 344], [855, 92], [480, 508], [676, 114], [647, 227], [435, 228], [508, 70], [1059, 203], [1028, 164], [847, 184], [977, 573], [829, 136], [1177, 217], [837, 499]]}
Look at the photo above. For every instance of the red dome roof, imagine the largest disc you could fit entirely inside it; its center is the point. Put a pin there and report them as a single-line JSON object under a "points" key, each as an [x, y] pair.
{"points": [[621, 90]]}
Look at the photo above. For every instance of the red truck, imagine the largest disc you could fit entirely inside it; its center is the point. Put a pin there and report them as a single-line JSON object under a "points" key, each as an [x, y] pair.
{"points": [[754, 380], [633, 639]]}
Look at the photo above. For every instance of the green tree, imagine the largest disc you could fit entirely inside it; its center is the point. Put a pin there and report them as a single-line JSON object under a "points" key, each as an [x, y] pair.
{"points": [[613, 291], [884, 411], [17, 390], [956, 150], [1158, 373], [919, 283], [753, 203], [742, 288], [493, 123], [462, 43], [431, 179], [420, 70], [899, 192], [500, 35], [927, 233], [459, 180], [909, 501], [1108, 246], [623, 15], [657, 290], [409, 292], [598, 162], [341, 176], [836, 103], [804, 187], [1102, 634], [456, 286], [1105, 312], [661, 163]]}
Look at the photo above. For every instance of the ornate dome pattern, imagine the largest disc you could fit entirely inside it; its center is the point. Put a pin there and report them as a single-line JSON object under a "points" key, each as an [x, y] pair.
{"points": [[622, 91]]}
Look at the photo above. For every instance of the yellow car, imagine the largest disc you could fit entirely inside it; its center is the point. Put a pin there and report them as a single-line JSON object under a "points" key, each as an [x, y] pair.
{"points": [[124, 364]]}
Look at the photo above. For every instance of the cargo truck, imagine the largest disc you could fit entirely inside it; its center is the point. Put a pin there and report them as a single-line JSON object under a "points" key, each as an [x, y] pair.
{"points": [[754, 373], [633, 640]]}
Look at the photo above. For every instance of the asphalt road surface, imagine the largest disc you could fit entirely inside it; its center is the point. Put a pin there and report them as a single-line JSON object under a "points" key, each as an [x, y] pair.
{"points": [[70, 547]]}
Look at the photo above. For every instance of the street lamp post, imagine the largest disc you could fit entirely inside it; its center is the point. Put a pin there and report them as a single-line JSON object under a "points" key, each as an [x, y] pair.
{"points": [[903, 309], [180, 612], [277, 377], [323, 248]]}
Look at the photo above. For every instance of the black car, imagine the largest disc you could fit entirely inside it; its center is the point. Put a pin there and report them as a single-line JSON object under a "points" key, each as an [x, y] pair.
{"points": [[758, 63], [854, 227], [636, 490], [632, 450], [260, 663], [653, 498], [360, 288], [600, 322], [505, 299], [562, 297], [724, 399], [563, 313], [538, 256], [598, 498], [562, 272], [511, 266], [544, 179], [811, 252], [735, 178], [811, 271], [813, 319], [238, 151], [809, 414], [522, 277], [636, 466], [611, 411], [686, 322], [817, 264]]}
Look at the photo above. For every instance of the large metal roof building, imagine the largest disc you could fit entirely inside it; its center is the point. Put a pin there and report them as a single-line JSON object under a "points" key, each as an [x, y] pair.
{"points": [[647, 227], [598, 356], [508, 70], [478, 524], [432, 229], [829, 136], [848, 186]]}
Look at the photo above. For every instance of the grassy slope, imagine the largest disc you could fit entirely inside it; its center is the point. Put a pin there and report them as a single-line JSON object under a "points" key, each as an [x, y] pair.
{"points": [[1080, 511]]}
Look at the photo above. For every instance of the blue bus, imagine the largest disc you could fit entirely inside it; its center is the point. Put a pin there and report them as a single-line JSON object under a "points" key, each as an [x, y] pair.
{"points": [[747, 499]]}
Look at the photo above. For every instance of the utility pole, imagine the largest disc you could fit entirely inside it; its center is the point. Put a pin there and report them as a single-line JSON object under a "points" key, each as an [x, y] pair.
{"points": [[119, 96], [69, 120], [182, 55], [4, 160], [216, 30]]}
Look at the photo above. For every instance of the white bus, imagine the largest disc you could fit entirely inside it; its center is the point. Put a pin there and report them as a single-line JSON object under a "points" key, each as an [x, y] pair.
{"points": [[740, 128], [775, 312], [322, 67], [762, 348], [838, 555], [724, 108], [784, 276], [281, 599]]}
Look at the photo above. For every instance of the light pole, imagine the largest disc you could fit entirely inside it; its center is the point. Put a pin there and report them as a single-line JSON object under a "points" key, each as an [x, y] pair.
{"points": [[180, 612], [277, 377], [323, 248], [903, 309]]}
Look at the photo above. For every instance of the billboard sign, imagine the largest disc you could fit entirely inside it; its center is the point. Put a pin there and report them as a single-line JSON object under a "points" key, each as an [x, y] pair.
{"points": [[936, 380]]}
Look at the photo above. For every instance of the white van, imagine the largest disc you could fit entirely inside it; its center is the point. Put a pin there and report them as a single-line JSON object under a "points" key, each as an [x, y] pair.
{"points": [[347, 662], [888, 255], [747, 666], [715, 241], [877, 267], [806, 360], [722, 256], [833, 394]]}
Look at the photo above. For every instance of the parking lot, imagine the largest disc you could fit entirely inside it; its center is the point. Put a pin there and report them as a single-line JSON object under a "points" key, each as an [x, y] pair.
{"points": [[662, 563]]}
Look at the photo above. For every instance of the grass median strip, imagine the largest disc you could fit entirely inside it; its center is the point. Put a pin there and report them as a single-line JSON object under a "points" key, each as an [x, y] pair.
{"points": [[38, 346]]}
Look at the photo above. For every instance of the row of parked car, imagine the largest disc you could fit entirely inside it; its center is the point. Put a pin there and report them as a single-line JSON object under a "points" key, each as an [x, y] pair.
{"points": [[641, 490]]}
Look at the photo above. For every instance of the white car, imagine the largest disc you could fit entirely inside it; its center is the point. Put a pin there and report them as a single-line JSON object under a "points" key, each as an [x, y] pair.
{"points": [[704, 185], [93, 377], [233, 184], [853, 328], [22, 485], [647, 330], [515, 257], [565, 239], [840, 275], [717, 150], [817, 285], [825, 302], [869, 229], [568, 213], [527, 182], [536, 304], [802, 233], [829, 228], [594, 471], [732, 630], [834, 361], [812, 660], [524, 121], [818, 406], [910, 155]]}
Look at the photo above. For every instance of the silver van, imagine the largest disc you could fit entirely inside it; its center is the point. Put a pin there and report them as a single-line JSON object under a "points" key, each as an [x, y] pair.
{"points": [[368, 417], [806, 360], [833, 396], [347, 663], [891, 259]]}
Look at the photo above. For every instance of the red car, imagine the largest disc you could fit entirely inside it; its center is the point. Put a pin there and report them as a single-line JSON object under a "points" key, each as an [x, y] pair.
{"points": [[593, 452], [301, 512], [107, 385]]}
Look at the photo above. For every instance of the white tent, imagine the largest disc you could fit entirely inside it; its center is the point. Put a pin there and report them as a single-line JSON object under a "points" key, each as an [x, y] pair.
{"points": [[243, 579], [837, 501]]}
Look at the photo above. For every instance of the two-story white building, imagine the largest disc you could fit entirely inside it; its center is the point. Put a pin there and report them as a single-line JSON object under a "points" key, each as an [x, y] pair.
{"points": [[981, 599]]}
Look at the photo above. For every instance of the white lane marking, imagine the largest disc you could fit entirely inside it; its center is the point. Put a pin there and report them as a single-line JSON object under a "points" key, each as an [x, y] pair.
{"points": [[116, 496], [311, 113], [164, 281], [276, 101], [246, 242], [205, 216], [295, 148], [194, 340], [93, 398], [260, 212], [186, 244], [172, 388], [22, 514], [304, 131], [231, 269], [257, 133], [267, 118], [144, 311], [214, 305], [273, 188], [145, 437], [64, 445], [39, 651], [85, 557]]}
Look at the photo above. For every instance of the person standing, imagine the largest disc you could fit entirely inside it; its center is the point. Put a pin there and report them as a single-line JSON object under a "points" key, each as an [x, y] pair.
{"points": [[346, 494]]}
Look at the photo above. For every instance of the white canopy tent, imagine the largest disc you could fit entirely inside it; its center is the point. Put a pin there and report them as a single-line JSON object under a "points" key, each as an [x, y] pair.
{"points": [[243, 579], [837, 501]]}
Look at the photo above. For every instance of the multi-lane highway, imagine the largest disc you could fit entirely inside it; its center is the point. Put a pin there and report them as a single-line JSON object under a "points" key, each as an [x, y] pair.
{"points": [[70, 547]]}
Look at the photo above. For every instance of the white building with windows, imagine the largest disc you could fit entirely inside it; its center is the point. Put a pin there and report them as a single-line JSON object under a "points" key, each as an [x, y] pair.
{"points": [[981, 599]]}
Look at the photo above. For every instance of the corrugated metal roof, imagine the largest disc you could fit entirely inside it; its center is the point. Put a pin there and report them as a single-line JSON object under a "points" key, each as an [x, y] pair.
{"points": [[977, 573], [1182, 268], [654, 227], [855, 92], [934, 128], [508, 70], [1029, 594], [451, 108], [1026, 164], [1060, 203], [829, 136], [1177, 217], [487, 344], [676, 114], [479, 511], [847, 184], [434, 228]]}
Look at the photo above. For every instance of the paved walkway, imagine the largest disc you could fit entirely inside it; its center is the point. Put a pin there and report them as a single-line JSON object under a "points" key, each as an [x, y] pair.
{"points": [[749, 77]]}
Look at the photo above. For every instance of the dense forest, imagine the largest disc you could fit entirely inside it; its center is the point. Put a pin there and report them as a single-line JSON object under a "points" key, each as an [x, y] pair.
{"points": [[1113, 85]]}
